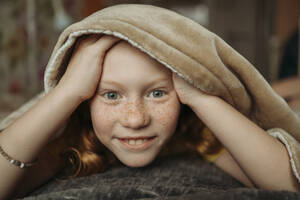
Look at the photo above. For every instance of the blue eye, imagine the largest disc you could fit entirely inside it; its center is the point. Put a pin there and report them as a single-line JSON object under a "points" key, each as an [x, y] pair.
{"points": [[111, 95], [157, 93]]}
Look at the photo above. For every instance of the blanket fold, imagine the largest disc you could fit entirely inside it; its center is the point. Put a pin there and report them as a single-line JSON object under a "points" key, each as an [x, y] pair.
{"points": [[194, 53]]}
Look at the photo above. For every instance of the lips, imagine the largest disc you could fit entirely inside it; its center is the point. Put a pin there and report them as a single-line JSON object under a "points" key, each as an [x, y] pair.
{"points": [[138, 143]]}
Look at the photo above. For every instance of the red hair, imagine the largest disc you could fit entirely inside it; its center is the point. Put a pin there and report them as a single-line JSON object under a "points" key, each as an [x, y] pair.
{"points": [[81, 153]]}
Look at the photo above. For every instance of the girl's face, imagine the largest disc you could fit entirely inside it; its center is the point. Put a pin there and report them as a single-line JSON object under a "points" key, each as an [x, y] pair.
{"points": [[135, 109]]}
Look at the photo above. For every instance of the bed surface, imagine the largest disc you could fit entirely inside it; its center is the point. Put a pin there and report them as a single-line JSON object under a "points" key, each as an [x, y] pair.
{"points": [[173, 177]]}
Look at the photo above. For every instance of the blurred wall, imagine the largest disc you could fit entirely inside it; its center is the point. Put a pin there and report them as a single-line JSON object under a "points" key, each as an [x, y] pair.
{"points": [[286, 18], [247, 26]]}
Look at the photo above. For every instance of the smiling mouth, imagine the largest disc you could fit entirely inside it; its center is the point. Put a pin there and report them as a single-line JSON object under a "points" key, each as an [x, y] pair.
{"points": [[139, 143]]}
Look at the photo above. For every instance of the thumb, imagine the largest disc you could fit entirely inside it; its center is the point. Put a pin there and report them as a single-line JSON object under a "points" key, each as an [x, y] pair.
{"points": [[179, 83]]}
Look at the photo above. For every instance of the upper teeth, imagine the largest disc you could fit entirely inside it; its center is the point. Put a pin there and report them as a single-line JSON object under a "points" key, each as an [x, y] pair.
{"points": [[136, 142]]}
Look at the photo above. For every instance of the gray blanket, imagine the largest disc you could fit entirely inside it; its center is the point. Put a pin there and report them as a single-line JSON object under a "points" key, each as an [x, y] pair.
{"points": [[174, 177]]}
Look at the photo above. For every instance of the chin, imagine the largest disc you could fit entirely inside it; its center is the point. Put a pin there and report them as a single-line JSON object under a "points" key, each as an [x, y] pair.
{"points": [[137, 160]]}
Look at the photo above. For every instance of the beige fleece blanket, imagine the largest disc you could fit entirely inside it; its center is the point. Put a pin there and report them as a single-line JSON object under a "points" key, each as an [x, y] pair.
{"points": [[196, 54]]}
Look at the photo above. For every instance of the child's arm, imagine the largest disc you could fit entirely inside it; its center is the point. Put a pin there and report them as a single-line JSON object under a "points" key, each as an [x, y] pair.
{"points": [[227, 163], [261, 157], [26, 138]]}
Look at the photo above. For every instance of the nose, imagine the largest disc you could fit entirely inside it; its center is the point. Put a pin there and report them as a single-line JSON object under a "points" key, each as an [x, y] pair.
{"points": [[135, 115]]}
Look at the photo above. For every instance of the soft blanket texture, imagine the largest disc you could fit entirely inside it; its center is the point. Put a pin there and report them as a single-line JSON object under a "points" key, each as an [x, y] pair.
{"points": [[176, 177], [194, 53]]}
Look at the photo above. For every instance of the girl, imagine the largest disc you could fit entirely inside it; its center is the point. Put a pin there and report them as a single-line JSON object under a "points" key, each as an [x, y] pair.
{"points": [[117, 100]]}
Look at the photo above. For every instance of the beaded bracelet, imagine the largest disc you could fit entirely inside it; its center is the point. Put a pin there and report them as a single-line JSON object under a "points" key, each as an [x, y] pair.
{"points": [[17, 163]]}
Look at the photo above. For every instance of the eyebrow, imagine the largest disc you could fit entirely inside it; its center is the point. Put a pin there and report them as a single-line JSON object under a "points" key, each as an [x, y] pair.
{"points": [[111, 83]]}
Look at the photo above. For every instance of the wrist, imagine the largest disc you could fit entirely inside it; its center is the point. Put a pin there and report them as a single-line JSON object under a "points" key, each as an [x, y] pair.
{"points": [[205, 101], [67, 95]]}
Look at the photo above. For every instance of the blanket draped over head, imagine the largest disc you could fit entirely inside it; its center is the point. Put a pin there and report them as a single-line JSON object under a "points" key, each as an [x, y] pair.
{"points": [[194, 53]]}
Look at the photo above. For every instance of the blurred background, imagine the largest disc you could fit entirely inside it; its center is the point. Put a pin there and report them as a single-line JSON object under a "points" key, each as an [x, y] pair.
{"points": [[263, 31]]}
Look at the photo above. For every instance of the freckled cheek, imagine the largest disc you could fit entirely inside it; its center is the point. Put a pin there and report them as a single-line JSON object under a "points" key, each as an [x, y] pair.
{"points": [[103, 119], [167, 114]]}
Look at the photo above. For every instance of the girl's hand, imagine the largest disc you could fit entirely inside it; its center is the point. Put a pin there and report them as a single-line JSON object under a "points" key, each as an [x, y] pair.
{"points": [[85, 67], [187, 93]]}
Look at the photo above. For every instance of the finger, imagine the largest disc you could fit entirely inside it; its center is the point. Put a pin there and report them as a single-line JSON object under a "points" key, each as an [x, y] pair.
{"points": [[106, 42], [86, 40], [177, 80], [181, 84], [91, 39], [174, 76]]}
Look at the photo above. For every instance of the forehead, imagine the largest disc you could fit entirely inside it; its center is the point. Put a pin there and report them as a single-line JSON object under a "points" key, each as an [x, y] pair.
{"points": [[124, 60]]}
